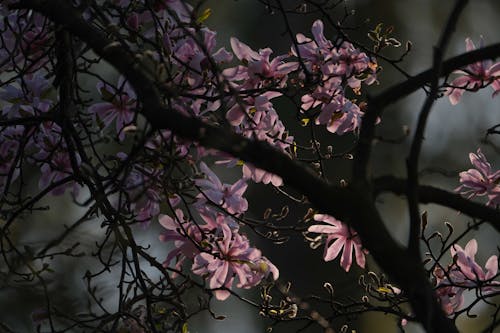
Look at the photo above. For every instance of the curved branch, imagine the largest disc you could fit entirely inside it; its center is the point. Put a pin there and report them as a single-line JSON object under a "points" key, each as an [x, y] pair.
{"points": [[416, 146], [403, 89], [391, 95], [430, 194]]}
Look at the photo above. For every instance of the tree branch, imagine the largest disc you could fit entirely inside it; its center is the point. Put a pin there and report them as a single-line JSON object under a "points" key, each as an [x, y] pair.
{"points": [[416, 145], [430, 194]]}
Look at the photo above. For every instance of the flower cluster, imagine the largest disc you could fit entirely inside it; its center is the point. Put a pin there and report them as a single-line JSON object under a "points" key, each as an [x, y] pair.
{"points": [[218, 251], [26, 39], [229, 197], [464, 274], [42, 145], [474, 76], [336, 67], [481, 181]]}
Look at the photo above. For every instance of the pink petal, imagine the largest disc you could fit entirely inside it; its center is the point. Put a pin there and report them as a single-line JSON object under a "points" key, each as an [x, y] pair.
{"points": [[333, 250], [491, 267], [346, 260], [219, 277]]}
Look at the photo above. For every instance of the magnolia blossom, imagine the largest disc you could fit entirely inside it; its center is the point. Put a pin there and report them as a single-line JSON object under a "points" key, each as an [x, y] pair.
{"points": [[259, 69], [464, 273], [241, 111], [233, 257], [340, 116], [339, 236], [30, 97], [474, 76], [119, 105], [229, 196], [346, 61], [337, 67], [317, 51], [25, 40], [480, 181], [185, 235], [218, 251], [191, 55]]}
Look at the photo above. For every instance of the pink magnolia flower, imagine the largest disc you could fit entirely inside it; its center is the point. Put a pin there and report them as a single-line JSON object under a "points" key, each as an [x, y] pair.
{"points": [[56, 169], [351, 63], [242, 110], [345, 61], [316, 51], [215, 219], [25, 39], [464, 273], [119, 105], [233, 257], [338, 236], [481, 180], [28, 97], [340, 115], [475, 76], [258, 69], [186, 237], [230, 197], [192, 57]]}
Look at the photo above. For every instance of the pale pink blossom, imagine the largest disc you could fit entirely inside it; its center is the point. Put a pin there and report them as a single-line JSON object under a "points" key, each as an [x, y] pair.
{"points": [[119, 105], [466, 271], [232, 257], [259, 69], [481, 180], [27, 97], [186, 236], [189, 54], [242, 110], [230, 197], [475, 76], [317, 51], [463, 274], [345, 60], [339, 236], [340, 116]]}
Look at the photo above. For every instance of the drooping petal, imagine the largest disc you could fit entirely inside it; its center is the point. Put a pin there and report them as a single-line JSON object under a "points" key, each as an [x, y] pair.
{"points": [[243, 51]]}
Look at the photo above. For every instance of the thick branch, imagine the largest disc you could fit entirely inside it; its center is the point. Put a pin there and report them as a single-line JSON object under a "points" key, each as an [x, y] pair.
{"points": [[403, 89], [396, 92], [430, 194], [416, 145]]}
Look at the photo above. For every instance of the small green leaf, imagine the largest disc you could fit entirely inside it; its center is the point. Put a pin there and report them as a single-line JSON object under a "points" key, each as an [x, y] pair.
{"points": [[205, 15]]}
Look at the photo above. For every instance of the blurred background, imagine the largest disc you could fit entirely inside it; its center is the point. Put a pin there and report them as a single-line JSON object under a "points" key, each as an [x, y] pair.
{"points": [[453, 132]]}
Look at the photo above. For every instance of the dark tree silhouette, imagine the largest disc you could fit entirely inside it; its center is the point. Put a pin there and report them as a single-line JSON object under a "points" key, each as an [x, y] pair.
{"points": [[136, 154]]}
